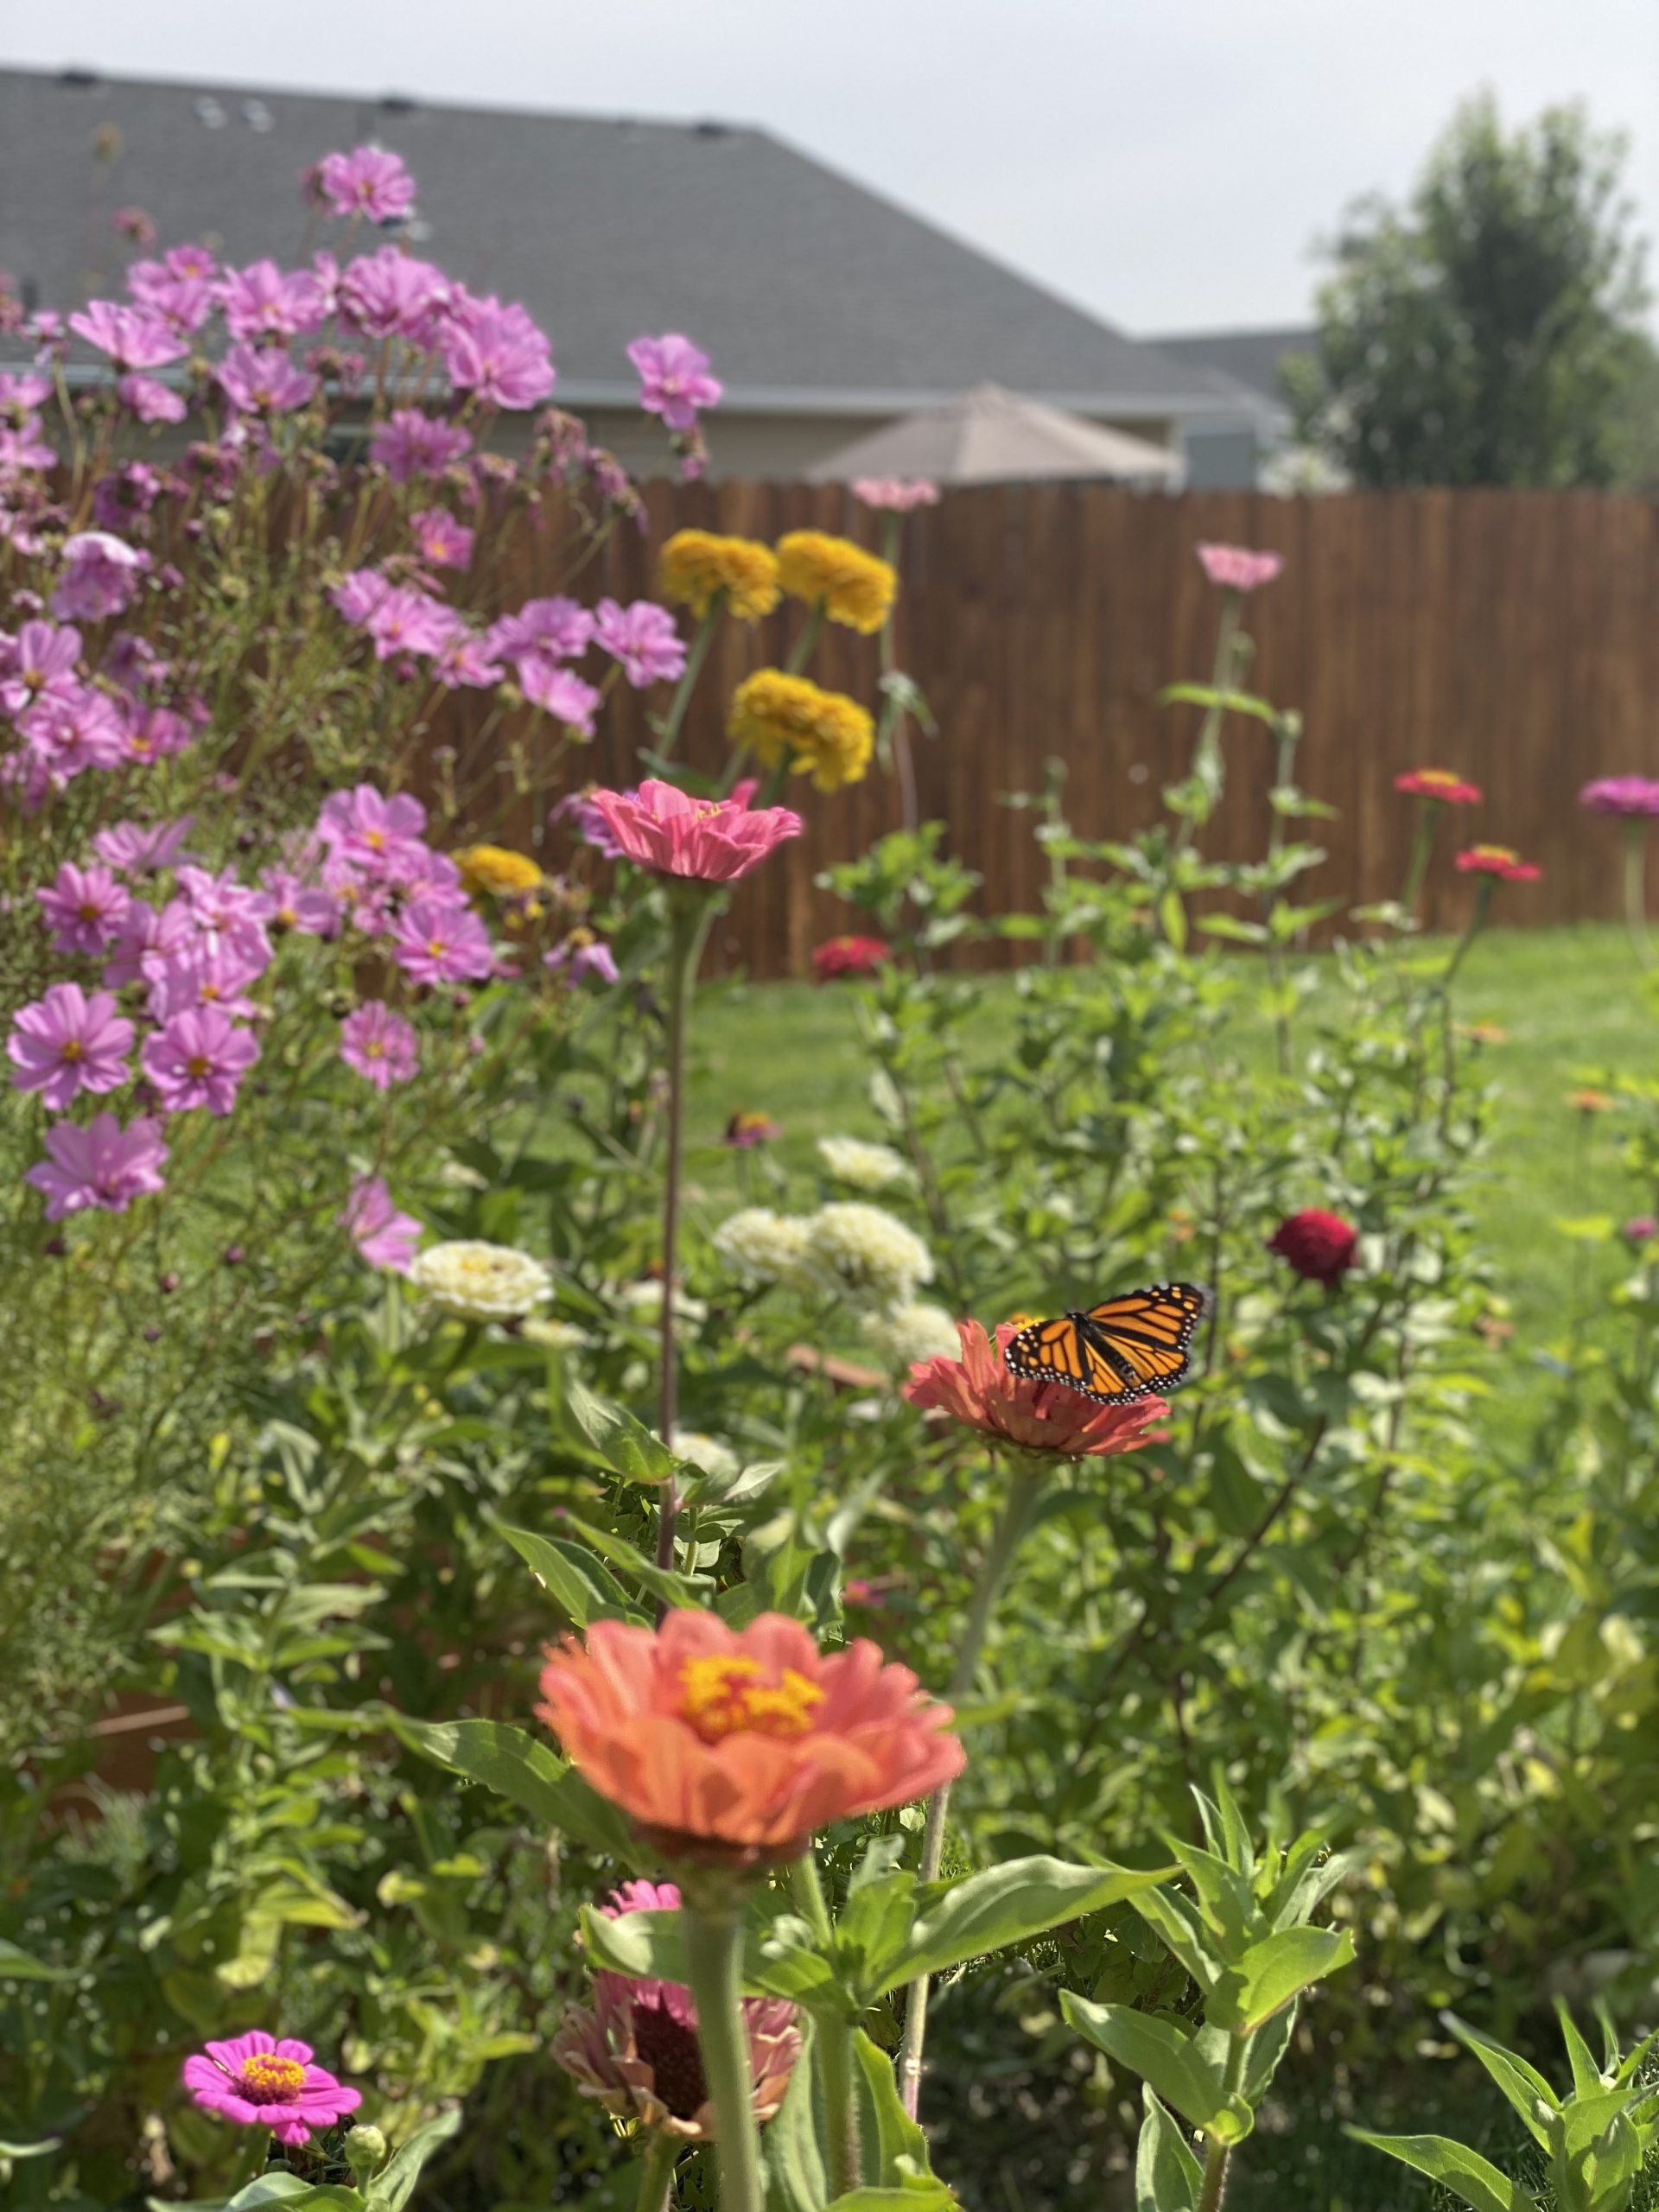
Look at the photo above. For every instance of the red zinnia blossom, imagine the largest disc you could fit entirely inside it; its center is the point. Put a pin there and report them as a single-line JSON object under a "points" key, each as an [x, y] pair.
{"points": [[849, 956], [1038, 1416], [1498, 861], [1439, 784], [1320, 1246]]}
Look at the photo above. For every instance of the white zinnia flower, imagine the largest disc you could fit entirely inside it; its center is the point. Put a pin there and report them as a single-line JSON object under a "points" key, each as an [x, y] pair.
{"points": [[919, 1330], [644, 1301], [863, 1167], [555, 1335], [868, 1252], [477, 1281], [759, 1246]]}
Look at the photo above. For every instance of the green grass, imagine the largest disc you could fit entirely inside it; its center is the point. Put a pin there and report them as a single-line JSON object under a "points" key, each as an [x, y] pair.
{"points": [[1572, 1004]]}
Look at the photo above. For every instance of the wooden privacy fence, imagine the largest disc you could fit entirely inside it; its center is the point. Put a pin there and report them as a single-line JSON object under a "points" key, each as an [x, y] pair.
{"points": [[1511, 636]]}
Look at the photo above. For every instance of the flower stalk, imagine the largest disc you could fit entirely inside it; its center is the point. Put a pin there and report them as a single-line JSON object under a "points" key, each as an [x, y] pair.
{"points": [[1027, 1485], [833, 2042], [714, 1956], [657, 2172], [1422, 845], [1207, 771], [668, 728], [1635, 899], [691, 912]]}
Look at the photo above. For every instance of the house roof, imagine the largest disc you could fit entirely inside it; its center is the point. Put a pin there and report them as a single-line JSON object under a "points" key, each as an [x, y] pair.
{"points": [[1251, 358], [809, 291]]}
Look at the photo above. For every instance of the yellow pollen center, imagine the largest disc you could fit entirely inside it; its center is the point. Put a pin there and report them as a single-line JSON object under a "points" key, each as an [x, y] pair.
{"points": [[74, 1050], [267, 2075], [88, 911], [437, 947], [373, 839], [374, 1049], [729, 1695], [200, 1065]]}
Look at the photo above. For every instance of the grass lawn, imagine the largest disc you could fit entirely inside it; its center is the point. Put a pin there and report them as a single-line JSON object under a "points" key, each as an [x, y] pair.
{"points": [[1570, 1001]]}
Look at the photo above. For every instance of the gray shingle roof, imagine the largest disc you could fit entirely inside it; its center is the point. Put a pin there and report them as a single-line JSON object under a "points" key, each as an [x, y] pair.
{"points": [[806, 289], [1251, 358]]}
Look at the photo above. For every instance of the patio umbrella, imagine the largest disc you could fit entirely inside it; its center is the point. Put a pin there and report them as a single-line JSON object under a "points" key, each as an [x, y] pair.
{"points": [[988, 436]]}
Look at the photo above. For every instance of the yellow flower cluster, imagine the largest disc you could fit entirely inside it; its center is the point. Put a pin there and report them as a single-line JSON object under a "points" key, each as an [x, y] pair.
{"points": [[498, 870], [856, 586], [790, 717], [696, 564]]}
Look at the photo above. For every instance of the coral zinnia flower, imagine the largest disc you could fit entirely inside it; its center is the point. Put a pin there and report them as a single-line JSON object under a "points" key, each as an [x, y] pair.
{"points": [[1037, 1416], [711, 840], [856, 588], [1499, 861], [1238, 568], [1438, 784], [696, 564], [1320, 1246], [260, 2083], [791, 717], [637, 2049], [731, 1746], [849, 956]]}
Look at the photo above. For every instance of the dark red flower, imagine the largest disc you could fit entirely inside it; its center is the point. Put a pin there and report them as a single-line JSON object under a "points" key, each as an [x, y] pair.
{"points": [[1320, 1246], [849, 956]]}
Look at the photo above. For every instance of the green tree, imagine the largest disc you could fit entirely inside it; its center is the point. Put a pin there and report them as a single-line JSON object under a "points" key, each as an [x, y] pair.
{"points": [[1490, 333]]}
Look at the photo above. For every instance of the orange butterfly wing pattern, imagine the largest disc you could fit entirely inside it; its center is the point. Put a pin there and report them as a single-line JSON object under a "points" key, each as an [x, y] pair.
{"points": [[1135, 1346]]}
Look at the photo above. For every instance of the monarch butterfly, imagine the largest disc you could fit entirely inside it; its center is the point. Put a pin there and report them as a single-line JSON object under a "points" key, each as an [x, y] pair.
{"points": [[1134, 1346]]}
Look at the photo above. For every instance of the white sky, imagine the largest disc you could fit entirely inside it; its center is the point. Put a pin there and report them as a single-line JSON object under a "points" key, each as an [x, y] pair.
{"points": [[1167, 163]]}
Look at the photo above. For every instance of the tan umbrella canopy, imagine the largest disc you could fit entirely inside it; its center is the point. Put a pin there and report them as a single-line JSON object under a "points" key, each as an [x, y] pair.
{"points": [[988, 436]]}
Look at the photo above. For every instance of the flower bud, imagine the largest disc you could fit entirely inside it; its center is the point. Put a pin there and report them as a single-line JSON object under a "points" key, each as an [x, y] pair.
{"points": [[366, 2153]]}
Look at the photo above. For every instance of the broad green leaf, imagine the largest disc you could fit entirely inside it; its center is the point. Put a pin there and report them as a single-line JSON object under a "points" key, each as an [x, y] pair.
{"points": [[897, 2135], [924, 2196], [1178, 1921], [1230, 927], [1162, 2056], [1168, 2177], [1587, 2075], [523, 1769], [646, 1946], [17, 1965], [673, 1589], [790, 2145], [1273, 1972], [1469, 2177], [391, 2188], [1172, 916], [619, 1441], [578, 1583], [1206, 695], [1009, 1904], [1523, 2085]]}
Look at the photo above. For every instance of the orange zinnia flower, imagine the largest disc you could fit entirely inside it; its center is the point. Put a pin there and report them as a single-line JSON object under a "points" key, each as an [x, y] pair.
{"points": [[1042, 1417], [730, 1746]]}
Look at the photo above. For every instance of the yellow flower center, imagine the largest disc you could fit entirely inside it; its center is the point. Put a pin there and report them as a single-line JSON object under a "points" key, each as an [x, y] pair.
{"points": [[89, 910], [267, 2075], [729, 1694], [74, 1050], [200, 1065]]}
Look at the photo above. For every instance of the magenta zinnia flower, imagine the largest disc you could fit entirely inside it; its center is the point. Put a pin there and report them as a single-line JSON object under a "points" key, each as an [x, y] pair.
{"points": [[260, 2082], [199, 1058], [379, 1045], [367, 181], [69, 1041], [709, 841], [437, 942], [643, 638], [1631, 795], [674, 378], [1320, 1247], [1047, 1417], [86, 908], [1238, 568], [896, 495], [102, 1165], [384, 1237]]}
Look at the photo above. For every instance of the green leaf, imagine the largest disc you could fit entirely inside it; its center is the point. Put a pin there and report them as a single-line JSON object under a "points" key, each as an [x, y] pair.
{"points": [[1274, 1971], [794, 2156], [1009, 1904], [1230, 927], [17, 1965], [1462, 2171], [1171, 918], [1206, 695], [1523, 2085], [620, 1442], [1162, 2056], [520, 1767], [391, 2188], [928, 2195], [645, 1946], [1168, 2177], [581, 1587], [897, 2135], [673, 1589]]}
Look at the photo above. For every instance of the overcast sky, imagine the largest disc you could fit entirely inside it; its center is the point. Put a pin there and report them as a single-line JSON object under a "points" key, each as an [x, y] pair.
{"points": [[1167, 163]]}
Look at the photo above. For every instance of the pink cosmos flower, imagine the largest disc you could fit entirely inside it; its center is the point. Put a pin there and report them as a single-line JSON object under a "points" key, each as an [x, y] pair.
{"points": [[86, 908], [674, 378], [135, 224], [367, 181], [260, 2082], [391, 295], [199, 1058], [384, 1238], [145, 930], [559, 692], [134, 338], [553, 629], [710, 840], [413, 444], [1047, 1417], [67, 1042], [379, 1044], [406, 620], [205, 973], [1237, 568], [583, 962], [897, 495], [644, 638], [143, 847], [440, 540], [358, 595], [498, 353], [373, 834], [437, 942], [151, 400], [1632, 797], [102, 1165], [288, 903], [222, 903], [42, 661], [100, 576], [263, 382], [150, 733], [464, 657], [268, 305]]}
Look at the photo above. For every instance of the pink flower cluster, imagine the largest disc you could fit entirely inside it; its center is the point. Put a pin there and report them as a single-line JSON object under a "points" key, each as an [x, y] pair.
{"points": [[1237, 568], [896, 495]]}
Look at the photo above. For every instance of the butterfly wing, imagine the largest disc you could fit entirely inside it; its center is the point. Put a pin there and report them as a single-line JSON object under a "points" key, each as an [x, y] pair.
{"points": [[1135, 1346]]}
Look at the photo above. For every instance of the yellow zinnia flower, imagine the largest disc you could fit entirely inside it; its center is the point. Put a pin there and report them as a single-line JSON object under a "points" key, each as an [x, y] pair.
{"points": [[856, 587], [788, 716], [696, 564], [495, 868]]}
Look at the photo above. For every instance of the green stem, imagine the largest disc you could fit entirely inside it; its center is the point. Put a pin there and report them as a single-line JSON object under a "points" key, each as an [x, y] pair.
{"points": [[1422, 845], [1207, 769], [804, 645], [668, 730], [1635, 901], [834, 2040], [691, 916], [1025, 1493], [713, 1958], [657, 2173], [1476, 922], [1216, 2153]]}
